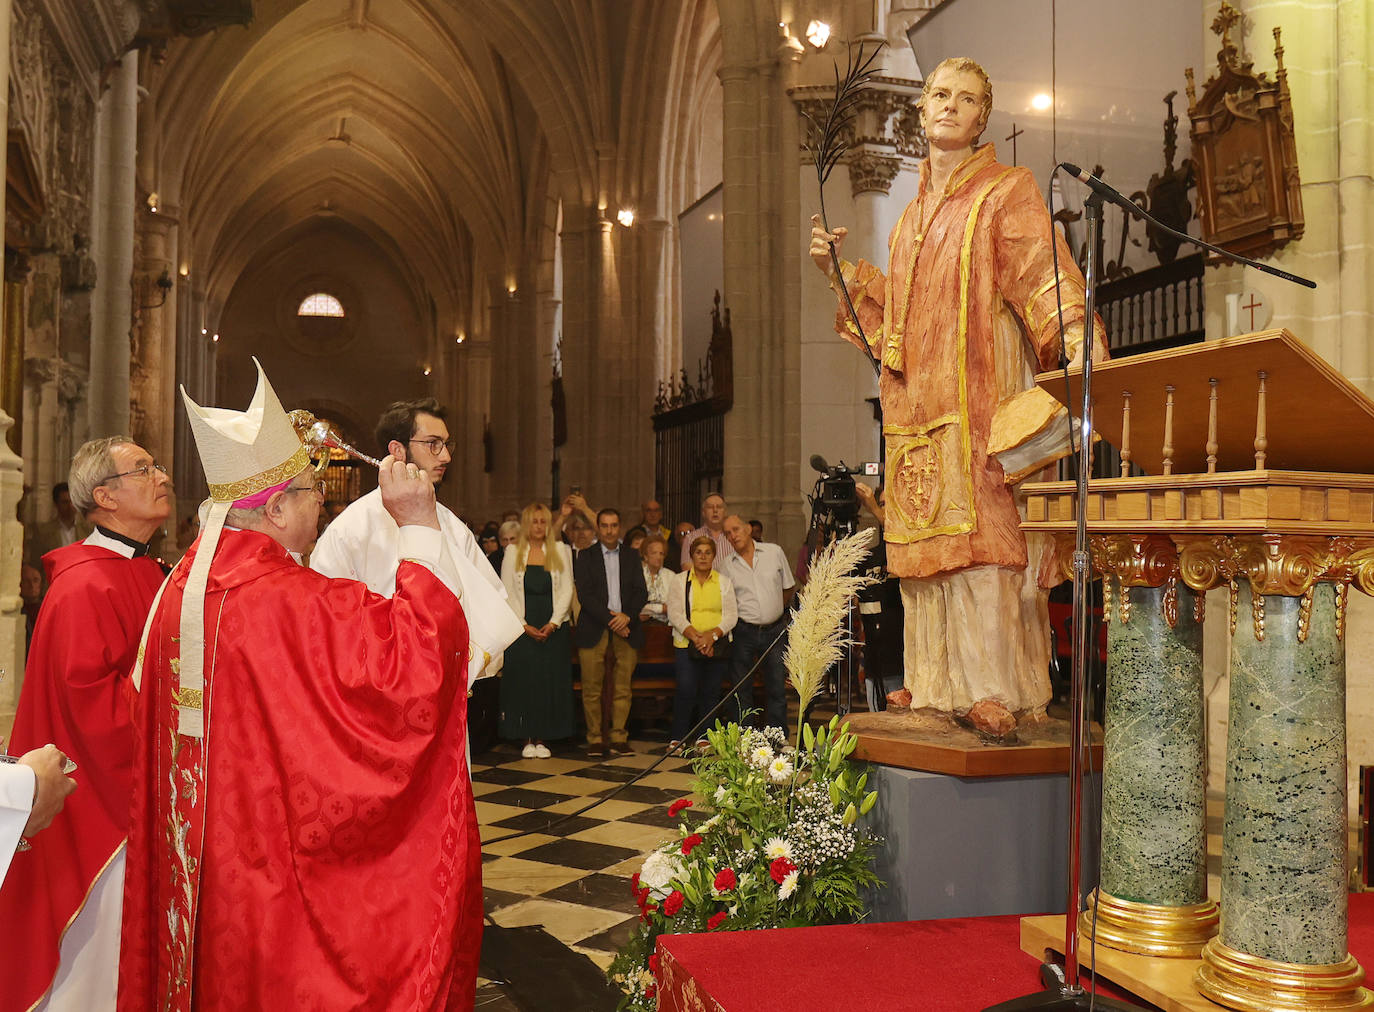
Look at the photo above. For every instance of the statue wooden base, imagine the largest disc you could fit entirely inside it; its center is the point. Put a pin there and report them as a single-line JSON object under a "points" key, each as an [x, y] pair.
{"points": [[913, 742]]}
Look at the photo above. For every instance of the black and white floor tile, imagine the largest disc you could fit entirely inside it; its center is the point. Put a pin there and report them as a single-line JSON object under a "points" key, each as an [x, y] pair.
{"points": [[568, 874]]}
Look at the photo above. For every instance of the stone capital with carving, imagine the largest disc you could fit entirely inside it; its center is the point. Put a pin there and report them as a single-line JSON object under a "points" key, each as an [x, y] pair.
{"points": [[872, 172]]}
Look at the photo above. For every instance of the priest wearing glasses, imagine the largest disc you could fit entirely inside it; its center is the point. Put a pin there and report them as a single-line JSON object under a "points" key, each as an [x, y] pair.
{"points": [[61, 900]]}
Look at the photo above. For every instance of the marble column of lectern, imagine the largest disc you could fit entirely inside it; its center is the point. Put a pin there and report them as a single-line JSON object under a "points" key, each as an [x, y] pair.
{"points": [[1152, 893]]}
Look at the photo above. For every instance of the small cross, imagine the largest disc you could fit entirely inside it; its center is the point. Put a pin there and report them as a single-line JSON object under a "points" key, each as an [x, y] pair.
{"points": [[1252, 305], [1012, 137]]}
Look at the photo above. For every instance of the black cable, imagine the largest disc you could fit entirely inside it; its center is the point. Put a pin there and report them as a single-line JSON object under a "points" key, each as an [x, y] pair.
{"points": [[691, 736]]}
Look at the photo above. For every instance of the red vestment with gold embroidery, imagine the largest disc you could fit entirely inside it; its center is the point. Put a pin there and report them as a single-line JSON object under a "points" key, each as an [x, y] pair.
{"points": [[74, 696], [318, 848]]}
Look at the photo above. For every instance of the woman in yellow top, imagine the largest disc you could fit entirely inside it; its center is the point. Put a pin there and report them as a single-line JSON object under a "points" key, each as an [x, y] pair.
{"points": [[701, 610]]}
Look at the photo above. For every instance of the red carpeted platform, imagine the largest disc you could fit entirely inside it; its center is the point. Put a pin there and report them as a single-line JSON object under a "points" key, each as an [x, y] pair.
{"points": [[957, 965]]}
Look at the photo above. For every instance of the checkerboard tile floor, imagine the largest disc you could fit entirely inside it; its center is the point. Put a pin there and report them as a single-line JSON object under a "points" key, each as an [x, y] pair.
{"points": [[572, 878]]}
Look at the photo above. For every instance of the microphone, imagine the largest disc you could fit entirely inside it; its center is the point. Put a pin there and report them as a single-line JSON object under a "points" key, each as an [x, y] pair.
{"points": [[1108, 192], [818, 464], [1102, 189]]}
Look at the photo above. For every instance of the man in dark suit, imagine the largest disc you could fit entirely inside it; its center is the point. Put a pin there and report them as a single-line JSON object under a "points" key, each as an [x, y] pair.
{"points": [[610, 585]]}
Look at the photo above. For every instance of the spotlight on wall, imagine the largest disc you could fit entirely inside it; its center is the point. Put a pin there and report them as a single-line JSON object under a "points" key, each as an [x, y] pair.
{"points": [[1041, 102], [215, 339], [625, 216], [818, 34], [185, 270], [511, 289], [460, 338], [427, 370], [203, 331], [152, 202]]}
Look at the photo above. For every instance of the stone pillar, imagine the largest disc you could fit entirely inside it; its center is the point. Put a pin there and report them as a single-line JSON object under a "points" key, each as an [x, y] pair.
{"points": [[1283, 939], [11, 471], [112, 247], [1152, 893], [152, 361], [12, 364]]}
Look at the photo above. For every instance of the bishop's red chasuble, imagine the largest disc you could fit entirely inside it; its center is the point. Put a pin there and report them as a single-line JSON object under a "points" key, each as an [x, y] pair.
{"points": [[74, 695], [962, 320], [318, 848]]}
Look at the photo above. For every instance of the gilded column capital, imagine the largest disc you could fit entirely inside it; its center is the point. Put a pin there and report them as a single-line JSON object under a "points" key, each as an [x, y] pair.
{"points": [[1206, 562], [1286, 565], [1136, 560]]}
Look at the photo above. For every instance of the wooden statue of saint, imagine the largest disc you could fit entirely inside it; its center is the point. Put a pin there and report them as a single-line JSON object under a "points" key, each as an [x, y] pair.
{"points": [[964, 317]]}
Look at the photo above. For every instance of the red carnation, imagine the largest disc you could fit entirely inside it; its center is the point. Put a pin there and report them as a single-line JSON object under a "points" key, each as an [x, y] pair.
{"points": [[634, 882], [725, 880], [650, 991], [678, 806], [653, 964], [672, 904], [780, 869], [690, 842], [716, 920]]}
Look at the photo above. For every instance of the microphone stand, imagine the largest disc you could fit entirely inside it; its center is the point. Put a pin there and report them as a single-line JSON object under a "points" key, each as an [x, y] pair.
{"points": [[1068, 993]]}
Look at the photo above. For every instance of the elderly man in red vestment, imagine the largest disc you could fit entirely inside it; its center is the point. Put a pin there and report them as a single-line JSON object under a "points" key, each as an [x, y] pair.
{"points": [[303, 833], [61, 903], [962, 320]]}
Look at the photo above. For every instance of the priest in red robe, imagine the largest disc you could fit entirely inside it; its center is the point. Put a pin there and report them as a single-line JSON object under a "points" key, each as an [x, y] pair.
{"points": [[61, 901], [303, 833]]}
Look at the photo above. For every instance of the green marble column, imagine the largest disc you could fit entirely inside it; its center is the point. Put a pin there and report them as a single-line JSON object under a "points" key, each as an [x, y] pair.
{"points": [[1154, 833], [1283, 888]]}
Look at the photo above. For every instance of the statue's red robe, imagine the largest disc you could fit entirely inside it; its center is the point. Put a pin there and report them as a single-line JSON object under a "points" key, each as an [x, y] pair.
{"points": [[74, 695], [318, 848]]}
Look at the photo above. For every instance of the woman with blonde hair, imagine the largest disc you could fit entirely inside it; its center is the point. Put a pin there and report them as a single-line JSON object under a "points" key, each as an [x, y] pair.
{"points": [[536, 683]]}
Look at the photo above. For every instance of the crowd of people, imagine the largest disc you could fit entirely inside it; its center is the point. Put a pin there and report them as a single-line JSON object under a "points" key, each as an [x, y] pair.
{"points": [[717, 589]]}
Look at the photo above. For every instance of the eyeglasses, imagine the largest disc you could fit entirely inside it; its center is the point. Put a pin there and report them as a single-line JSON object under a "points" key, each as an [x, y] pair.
{"points": [[142, 472], [316, 487], [434, 444]]}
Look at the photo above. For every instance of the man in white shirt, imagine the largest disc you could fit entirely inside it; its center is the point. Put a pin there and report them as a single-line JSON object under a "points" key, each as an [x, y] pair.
{"points": [[361, 543], [763, 590], [32, 791]]}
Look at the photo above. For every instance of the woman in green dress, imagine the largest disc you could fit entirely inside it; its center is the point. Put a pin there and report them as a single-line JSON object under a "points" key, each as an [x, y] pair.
{"points": [[536, 681]]}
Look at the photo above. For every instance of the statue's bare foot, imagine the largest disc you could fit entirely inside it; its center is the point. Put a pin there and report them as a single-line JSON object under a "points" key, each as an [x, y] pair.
{"points": [[991, 718], [899, 698]]}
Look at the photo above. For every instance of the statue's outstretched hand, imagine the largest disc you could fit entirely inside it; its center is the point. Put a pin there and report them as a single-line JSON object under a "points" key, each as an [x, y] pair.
{"points": [[820, 245]]}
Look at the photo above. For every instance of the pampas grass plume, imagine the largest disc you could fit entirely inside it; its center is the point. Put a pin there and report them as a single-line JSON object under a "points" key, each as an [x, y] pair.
{"points": [[817, 638]]}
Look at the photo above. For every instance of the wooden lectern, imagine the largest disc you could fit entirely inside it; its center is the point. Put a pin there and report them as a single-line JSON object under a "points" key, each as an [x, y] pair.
{"points": [[1259, 461]]}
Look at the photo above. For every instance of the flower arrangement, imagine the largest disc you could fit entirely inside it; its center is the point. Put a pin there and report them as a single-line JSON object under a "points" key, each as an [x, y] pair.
{"points": [[781, 847]]}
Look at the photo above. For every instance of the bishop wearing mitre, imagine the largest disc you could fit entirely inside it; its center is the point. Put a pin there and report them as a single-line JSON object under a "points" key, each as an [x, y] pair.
{"points": [[302, 833]]}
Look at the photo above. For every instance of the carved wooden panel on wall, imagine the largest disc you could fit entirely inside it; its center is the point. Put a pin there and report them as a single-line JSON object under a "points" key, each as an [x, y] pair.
{"points": [[1249, 191]]}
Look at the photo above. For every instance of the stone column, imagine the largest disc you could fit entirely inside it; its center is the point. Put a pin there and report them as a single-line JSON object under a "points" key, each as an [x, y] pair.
{"points": [[112, 246], [1283, 940], [153, 353], [11, 472], [1152, 894]]}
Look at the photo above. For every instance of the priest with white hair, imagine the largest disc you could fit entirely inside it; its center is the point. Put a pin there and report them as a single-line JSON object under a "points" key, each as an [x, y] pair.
{"points": [[303, 832]]}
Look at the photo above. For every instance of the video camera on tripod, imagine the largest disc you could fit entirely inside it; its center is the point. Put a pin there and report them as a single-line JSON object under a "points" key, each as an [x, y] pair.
{"points": [[834, 503]]}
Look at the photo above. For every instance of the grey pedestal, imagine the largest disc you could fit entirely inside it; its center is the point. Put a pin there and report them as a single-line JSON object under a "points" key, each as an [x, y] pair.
{"points": [[975, 847]]}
